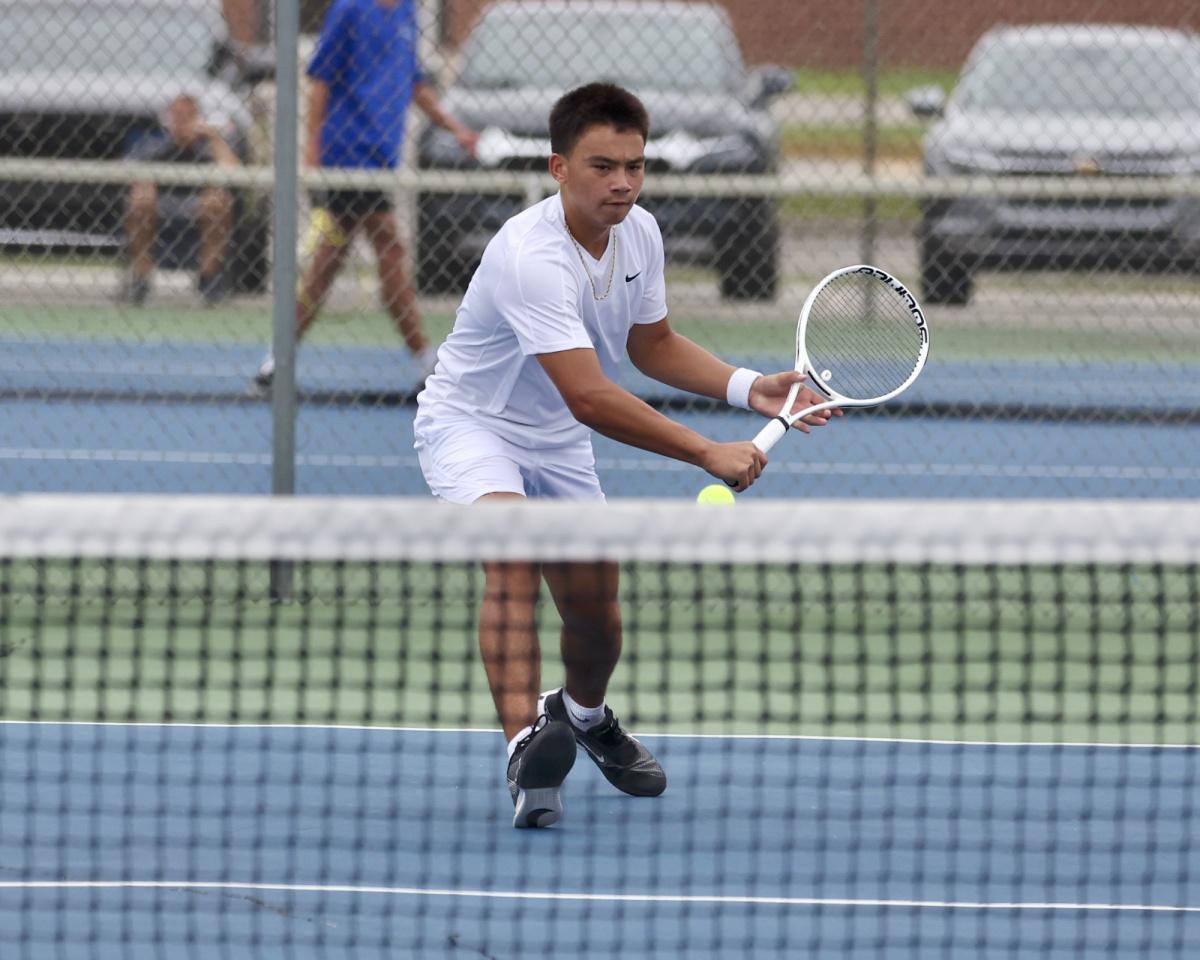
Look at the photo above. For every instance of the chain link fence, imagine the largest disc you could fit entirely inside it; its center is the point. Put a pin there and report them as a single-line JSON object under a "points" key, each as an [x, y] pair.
{"points": [[1041, 194]]}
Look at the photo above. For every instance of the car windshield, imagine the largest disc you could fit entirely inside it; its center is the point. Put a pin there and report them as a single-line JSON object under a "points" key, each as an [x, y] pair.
{"points": [[1116, 80], [126, 38], [535, 48]]}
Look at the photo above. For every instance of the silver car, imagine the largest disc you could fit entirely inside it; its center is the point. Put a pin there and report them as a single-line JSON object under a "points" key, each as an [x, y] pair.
{"points": [[1069, 101], [710, 116], [87, 80]]}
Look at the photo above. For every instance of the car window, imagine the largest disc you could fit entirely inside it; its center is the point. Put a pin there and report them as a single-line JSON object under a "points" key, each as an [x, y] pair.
{"points": [[1112, 80], [648, 52], [123, 37]]}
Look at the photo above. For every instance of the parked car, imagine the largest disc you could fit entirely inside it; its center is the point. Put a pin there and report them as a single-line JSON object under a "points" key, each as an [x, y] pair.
{"points": [[708, 116], [1069, 101], [88, 80]]}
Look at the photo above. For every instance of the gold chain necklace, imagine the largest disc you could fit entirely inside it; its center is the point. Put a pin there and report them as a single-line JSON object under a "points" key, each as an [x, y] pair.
{"points": [[612, 267]]}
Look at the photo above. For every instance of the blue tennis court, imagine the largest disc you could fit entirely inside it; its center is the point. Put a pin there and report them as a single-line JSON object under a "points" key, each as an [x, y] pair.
{"points": [[344, 842], [967, 728], [175, 417], [319, 841]]}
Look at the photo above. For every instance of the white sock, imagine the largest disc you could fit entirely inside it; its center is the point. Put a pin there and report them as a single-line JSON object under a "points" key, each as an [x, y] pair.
{"points": [[582, 717], [521, 735]]}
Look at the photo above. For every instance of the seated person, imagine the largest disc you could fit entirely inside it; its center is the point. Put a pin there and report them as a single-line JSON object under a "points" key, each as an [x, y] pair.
{"points": [[188, 139]]}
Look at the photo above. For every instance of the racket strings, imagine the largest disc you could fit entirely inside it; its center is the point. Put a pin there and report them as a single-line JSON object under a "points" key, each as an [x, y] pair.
{"points": [[861, 337]]}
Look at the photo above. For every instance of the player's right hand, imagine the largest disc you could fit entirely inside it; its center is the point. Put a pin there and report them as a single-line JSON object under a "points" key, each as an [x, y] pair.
{"points": [[769, 392], [738, 464]]}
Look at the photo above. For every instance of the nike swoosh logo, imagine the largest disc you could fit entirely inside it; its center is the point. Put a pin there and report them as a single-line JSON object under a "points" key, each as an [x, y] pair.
{"points": [[593, 753], [629, 279]]}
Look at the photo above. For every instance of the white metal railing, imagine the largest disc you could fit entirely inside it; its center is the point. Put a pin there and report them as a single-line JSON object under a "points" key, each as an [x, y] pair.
{"points": [[798, 182]]}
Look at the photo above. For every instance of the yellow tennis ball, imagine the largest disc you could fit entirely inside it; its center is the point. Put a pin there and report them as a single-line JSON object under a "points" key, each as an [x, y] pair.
{"points": [[716, 493]]}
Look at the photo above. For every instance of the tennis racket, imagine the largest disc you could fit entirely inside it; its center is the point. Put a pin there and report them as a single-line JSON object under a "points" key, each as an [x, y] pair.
{"points": [[861, 340]]}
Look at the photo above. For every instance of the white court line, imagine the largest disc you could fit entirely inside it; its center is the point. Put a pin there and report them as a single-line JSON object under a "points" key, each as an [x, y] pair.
{"points": [[587, 897], [1083, 744], [211, 457], [892, 469], [584, 897], [1007, 471]]}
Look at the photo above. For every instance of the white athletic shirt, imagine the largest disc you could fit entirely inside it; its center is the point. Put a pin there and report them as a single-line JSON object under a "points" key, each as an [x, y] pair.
{"points": [[531, 295]]}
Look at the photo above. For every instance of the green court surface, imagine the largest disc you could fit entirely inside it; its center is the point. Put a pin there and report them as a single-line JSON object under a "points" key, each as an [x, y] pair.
{"points": [[1026, 654], [726, 333]]}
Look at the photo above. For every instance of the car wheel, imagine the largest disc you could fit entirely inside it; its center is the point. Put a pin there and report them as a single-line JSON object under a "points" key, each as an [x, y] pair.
{"points": [[945, 276], [440, 268], [748, 253]]}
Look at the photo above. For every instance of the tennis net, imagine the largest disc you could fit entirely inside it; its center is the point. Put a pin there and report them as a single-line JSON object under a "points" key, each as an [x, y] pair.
{"points": [[260, 727]]}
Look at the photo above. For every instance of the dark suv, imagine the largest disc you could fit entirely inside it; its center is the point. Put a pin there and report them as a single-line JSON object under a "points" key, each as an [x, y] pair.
{"points": [[1066, 101], [707, 115], [88, 80]]}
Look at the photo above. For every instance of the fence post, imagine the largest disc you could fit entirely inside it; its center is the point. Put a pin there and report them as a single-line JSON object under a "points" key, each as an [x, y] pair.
{"points": [[283, 387], [870, 126]]}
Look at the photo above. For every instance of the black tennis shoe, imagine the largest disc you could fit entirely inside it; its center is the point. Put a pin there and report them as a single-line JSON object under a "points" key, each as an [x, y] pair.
{"points": [[536, 770], [625, 763]]}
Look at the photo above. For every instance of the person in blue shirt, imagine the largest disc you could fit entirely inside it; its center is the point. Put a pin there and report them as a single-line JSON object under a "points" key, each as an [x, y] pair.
{"points": [[363, 76]]}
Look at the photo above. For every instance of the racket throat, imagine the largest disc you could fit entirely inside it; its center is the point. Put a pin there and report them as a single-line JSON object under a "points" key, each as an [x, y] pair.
{"points": [[816, 381]]}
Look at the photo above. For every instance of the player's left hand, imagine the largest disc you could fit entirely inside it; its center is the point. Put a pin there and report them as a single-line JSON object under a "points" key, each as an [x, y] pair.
{"points": [[467, 138], [769, 392]]}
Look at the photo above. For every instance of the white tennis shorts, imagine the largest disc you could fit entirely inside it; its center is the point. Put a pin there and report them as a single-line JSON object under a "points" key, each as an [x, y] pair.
{"points": [[462, 460]]}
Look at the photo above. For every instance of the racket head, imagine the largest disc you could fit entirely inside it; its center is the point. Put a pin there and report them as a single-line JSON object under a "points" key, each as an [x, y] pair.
{"points": [[862, 338]]}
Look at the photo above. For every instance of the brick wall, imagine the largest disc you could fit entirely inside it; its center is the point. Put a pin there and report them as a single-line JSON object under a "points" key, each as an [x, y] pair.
{"points": [[936, 33]]}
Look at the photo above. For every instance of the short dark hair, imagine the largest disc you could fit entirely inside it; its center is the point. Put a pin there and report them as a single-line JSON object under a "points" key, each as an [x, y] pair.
{"points": [[595, 104]]}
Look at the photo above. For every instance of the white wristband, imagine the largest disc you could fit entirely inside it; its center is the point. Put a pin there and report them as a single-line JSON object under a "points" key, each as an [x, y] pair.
{"points": [[737, 391]]}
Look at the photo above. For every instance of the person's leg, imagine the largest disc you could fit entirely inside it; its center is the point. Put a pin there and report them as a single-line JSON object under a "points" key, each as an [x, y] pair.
{"points": [[327, 261], [541, 750], [508, 639], [586, 594], [586, 597], [214, 220], [396, 289], [141, 220], [508, 642], [465, 463]]}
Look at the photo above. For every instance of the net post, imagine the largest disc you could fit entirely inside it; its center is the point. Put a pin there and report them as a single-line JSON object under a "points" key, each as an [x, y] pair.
{"points": [[283, 392]]}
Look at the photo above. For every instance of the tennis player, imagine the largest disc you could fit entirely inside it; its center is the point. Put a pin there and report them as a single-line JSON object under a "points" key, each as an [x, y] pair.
{"points": [[564, 290]]}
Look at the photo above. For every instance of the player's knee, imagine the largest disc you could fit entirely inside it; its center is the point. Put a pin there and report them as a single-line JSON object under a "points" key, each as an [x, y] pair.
{"points": [[143, 199], [215, 204]]}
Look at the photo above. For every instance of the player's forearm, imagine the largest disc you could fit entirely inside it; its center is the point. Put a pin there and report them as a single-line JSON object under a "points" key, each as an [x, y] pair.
{"points": [[620, 416], [678, 362], [425, 98]]}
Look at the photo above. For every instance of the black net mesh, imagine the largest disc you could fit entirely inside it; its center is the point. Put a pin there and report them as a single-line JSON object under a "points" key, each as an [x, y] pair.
{"points": [[886, 731]]}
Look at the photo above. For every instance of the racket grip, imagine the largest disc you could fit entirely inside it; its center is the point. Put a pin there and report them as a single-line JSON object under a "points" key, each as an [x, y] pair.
{"points": [[769, 435]]}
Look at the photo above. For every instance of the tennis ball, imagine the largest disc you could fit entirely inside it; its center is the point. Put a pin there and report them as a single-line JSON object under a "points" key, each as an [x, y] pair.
{"points": [[715, 493]]}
